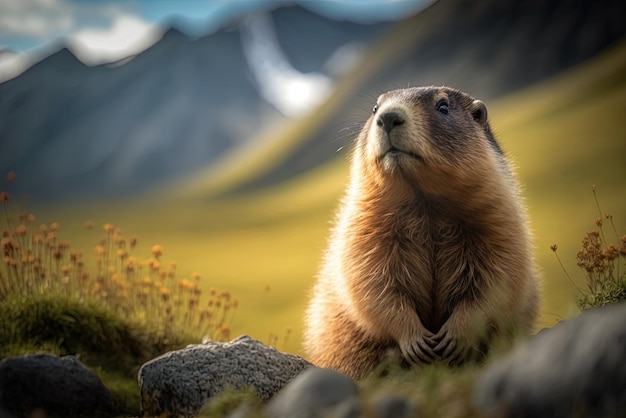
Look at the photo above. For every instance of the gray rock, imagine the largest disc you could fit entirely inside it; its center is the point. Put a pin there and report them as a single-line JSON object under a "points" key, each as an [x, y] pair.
{"points": [[317, 392], [52, 386], [393, 406], [577, 368], [179, 382]]}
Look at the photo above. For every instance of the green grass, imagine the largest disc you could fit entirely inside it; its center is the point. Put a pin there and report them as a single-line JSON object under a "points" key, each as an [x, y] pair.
{"points": [[436, 391], [104, 340]]}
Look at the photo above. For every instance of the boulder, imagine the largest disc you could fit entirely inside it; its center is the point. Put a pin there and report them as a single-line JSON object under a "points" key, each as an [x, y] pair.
{"points": [[178, 383], [577, 368], [317, 392], [52, 386]]}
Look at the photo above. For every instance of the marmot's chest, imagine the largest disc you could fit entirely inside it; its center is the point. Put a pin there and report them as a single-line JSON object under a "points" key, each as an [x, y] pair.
{"points": [[433, 268]]}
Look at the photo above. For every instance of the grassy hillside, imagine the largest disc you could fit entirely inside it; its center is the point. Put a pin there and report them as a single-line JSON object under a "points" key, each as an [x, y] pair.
{"points": [[564, 135], [506, 46]]}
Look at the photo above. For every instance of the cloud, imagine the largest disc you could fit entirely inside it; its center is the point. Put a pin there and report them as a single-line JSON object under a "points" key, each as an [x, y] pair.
{"points": [[126, 36], [35, 18], [12, 64], [96, 32]]}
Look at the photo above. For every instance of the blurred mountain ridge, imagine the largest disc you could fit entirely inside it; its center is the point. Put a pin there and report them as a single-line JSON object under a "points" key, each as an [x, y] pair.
{"points": [[71, 130], [487, 48], [185, 104]]}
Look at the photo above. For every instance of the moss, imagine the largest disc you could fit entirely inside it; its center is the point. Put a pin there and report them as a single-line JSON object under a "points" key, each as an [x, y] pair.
{"points": [[106, 342], [67, 325], [123, 387], [231, 400], [435, 390], [612, 292]]}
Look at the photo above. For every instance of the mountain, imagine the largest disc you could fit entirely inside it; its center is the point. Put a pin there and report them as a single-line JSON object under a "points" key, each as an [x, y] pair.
{"points": [[187, 104], [487, 48], [491, 47], [70, 130]]}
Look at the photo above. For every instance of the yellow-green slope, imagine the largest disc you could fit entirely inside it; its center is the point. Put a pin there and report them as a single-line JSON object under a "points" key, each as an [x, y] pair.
{"points": [[564, 135]]}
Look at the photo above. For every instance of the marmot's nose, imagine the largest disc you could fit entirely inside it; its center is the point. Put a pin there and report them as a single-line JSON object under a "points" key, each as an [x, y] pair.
{"points": [[389, 120]]}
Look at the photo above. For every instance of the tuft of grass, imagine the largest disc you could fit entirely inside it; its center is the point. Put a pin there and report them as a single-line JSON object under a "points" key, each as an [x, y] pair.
{"points": [[114, 315], [61, 324], [123, 389], [602, 262], [104, 340], [242, 402], [435, 390], [37, 261]]}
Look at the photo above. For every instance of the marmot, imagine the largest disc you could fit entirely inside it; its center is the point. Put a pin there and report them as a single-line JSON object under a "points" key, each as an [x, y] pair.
{"points": [[430, 252]]}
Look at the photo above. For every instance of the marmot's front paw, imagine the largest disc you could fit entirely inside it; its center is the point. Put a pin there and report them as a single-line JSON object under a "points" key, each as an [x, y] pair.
{"points": [[418, 349], [450, 347]]}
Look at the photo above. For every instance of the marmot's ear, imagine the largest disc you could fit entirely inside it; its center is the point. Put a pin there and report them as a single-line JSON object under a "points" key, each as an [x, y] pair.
{"points": [[479, 112]]}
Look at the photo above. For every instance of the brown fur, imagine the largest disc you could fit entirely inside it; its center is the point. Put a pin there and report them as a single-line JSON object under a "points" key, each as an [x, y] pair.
{"points": [[430, 252]]}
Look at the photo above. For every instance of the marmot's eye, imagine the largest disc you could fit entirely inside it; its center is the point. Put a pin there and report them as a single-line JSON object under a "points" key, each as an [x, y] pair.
{"points": [[375, 108], [442, 106]]}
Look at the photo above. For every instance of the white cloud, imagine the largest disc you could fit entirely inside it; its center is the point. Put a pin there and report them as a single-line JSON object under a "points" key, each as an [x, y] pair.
{"points": [[127, 36], [35, 18], [12, 64], [96, 32]]}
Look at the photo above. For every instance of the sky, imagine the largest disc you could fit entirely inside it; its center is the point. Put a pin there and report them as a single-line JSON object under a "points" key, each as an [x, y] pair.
{"points": [[99, 31]]}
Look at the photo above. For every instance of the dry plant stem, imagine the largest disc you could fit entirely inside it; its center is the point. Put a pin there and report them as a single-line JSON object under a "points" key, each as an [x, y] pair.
{"points": [[597, 258], [6, 215], [554, 250], [287, 334], [595, 198], [609, 216]]}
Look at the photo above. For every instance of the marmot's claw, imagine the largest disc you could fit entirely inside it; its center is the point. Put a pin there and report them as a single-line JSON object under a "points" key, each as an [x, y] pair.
{"points": [[446, 347], [450, 349], [458, 357], [421, 352]]}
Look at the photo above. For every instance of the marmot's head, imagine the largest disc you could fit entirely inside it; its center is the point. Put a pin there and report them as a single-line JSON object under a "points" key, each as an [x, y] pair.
{"points": [[436, 139]]}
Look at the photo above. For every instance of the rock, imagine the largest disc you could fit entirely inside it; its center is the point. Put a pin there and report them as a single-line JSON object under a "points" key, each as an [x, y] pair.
{"points": [[178, 383], [393, 406], [317, 392], [52, 386], [577, 368], [6, 414]]}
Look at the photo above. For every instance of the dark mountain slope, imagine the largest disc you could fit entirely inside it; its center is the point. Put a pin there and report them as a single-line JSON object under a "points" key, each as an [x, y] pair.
{"points": [[70, 130], [492, 47], [485, 47], [309, 39]]}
